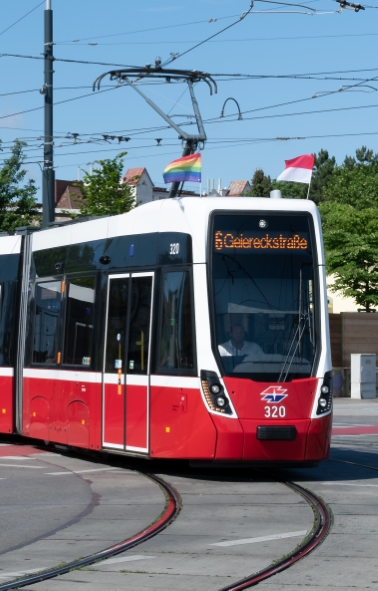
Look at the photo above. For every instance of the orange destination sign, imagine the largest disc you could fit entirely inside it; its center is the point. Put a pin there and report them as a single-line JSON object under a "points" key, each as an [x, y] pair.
{"points": [[230, 240]]}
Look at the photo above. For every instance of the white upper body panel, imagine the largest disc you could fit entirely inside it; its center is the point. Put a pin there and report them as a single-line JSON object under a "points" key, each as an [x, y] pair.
{"points": [[189, 215], [10, 245]]}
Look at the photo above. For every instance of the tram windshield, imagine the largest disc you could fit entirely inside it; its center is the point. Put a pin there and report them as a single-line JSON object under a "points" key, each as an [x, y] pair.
{"points": [[263, 290]]}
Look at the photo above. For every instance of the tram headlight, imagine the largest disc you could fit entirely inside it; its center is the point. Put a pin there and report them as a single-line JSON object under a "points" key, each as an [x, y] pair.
{"points": [[215, 389], [214, 393], [325, 399]]}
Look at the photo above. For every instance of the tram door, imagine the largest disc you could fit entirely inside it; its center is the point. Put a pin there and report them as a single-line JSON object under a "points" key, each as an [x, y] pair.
{"points": [[126, 382]]}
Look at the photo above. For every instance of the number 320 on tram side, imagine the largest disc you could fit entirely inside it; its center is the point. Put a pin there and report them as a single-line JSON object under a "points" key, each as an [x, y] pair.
{"points": [[191, 328]]}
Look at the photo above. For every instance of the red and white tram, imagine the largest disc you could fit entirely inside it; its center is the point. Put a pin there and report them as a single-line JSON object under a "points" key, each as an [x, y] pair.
{"points": [[188, 328]]}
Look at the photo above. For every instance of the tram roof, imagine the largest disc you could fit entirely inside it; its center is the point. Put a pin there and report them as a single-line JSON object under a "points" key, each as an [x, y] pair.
{"points": [[189, 215]]}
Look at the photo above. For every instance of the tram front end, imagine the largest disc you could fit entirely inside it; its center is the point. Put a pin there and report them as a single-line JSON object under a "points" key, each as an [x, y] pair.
{"points": [[272, 398]]}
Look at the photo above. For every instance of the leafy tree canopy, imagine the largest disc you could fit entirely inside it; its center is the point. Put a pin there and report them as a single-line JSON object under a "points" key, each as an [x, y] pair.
{"points": [[291, 190], [103, 193], [355, 182], [261, 185], [324, 167], [17, 197], [363, 156], [350, 228]]}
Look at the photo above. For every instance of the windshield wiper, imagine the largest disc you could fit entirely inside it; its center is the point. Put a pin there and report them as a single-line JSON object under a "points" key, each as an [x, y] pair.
{"points": [[302, 318], [300, 330]]}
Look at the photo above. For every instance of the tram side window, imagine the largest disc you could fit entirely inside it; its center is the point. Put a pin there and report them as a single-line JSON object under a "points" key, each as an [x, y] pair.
{"points": [[176, 333], [79, 321], [48, 298], [8, 299], [1, 328], [116, 327], [139, 327]]}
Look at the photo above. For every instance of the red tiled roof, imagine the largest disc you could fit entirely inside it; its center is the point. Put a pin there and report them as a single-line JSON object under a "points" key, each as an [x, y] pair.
{"points": [[67, 196], [71, 198], [237, 188], [131, 173]]}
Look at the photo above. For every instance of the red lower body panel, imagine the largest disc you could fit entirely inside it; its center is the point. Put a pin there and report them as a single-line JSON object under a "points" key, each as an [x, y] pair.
{"points": [[229, 438], [319, 438], [237, 440], [114, 414], [275, 405], [181, 426], [6, 404], [255, 449], [64, 411], [137, 417], [78, 427], [173, 422]]}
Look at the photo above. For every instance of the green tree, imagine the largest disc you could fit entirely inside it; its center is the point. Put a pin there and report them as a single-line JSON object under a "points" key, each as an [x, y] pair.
{"points": [[261, 185], [355, 182], [363, 156], [291, 190], [18, 204], [324, 167], [103, 192], [350, 228]]}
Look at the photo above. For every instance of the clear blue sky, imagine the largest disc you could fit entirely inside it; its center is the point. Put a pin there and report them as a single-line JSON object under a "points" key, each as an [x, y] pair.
{"points": [[137, 32]]}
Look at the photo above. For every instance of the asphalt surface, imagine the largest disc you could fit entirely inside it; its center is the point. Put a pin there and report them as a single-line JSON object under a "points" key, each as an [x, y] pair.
{"points": [[50, 505], [232, 523]]}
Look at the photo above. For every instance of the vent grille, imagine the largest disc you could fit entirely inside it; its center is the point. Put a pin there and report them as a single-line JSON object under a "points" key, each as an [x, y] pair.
{"points": [[283, 433]]}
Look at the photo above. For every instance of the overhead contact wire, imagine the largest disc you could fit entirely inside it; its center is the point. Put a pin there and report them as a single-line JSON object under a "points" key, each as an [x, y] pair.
{"points": [[20, 19]]}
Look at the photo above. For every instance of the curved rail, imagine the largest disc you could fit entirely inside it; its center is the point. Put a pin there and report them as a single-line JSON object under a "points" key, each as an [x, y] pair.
{"points": [[375, 468], [170, 513], [322, 524]]}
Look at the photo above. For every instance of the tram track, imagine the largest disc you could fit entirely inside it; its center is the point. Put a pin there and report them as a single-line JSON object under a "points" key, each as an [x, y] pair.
{"points": [[355, 464], [321, 527], [320, 530], [169, 514]]}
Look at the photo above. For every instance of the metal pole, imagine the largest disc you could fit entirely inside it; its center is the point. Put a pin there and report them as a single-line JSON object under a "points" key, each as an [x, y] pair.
{"points": [[201, 130], [182, 134], [48, 200], [308, 191]]}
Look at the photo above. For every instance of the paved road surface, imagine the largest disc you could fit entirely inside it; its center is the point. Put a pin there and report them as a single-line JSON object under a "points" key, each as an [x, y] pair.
{"points": [[230, 526]]}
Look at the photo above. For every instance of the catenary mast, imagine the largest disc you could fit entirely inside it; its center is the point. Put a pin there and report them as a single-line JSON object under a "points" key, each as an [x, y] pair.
{"points": [[48, 202]]}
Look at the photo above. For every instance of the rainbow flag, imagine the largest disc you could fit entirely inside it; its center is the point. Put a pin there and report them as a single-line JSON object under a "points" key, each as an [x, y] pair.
{"points": [[187, 168]]}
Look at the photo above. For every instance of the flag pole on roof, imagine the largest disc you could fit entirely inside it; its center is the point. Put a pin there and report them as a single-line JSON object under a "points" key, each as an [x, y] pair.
{"points": [[298, 170], [191, 142]]}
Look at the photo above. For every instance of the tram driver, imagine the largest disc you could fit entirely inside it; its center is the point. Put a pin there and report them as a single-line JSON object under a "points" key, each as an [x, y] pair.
{"points": [[237, 346]]}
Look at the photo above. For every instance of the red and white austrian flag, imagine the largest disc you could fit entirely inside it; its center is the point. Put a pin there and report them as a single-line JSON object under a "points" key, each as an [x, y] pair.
{"points": [[298, 170]]}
